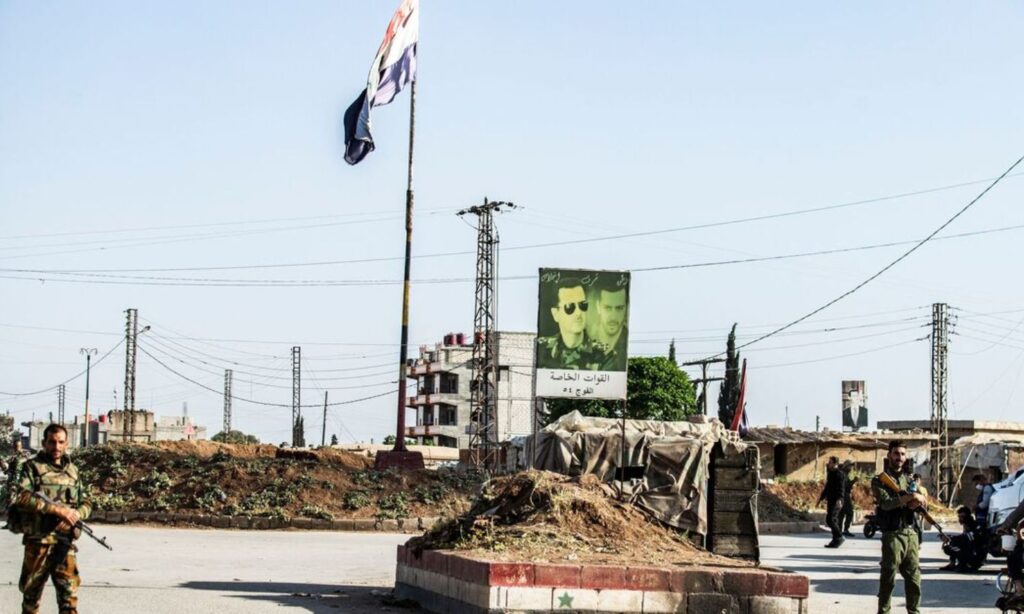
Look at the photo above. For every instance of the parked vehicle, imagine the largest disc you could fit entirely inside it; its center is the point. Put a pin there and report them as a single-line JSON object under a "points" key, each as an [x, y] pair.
{"points": [[1008, 495]]}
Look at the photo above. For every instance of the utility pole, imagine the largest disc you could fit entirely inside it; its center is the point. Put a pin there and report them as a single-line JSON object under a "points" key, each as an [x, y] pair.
{"points": [[228, 376], [131, 337], [483, 443], [89, 353], [787, 417], [61, 392], [323, 432], [940, 393], [298, 436], [704, 380]]}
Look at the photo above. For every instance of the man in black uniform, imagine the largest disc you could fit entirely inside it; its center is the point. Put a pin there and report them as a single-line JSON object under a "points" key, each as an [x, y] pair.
{"points": [[832, 494]]}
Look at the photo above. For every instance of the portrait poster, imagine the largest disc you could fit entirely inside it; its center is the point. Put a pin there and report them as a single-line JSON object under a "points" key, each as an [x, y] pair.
{"points": [[582, 334], [855, 405]]}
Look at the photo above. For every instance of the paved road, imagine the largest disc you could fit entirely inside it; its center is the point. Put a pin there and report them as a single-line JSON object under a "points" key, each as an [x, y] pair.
{"points": [[845, 581], [185, 571], [180, 571]]}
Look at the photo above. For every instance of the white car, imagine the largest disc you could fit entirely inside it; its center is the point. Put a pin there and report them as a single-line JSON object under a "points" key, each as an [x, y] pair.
{"points": [[1008, 495]]}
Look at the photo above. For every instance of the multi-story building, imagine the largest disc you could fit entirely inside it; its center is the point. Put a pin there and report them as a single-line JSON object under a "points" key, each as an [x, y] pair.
{"points": [[109, 427], [444, 377]]}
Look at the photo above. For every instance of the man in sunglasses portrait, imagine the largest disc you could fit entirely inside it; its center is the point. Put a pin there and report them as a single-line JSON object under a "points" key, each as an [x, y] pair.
{"points": [[571, 348]]}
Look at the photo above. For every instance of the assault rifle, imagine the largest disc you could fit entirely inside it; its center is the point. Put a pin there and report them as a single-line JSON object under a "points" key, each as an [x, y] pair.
{"points": [[892, 485], [79, 528]]}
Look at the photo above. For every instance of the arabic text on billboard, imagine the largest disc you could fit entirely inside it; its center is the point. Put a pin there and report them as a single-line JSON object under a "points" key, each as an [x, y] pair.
{"points": [[582, 334]]}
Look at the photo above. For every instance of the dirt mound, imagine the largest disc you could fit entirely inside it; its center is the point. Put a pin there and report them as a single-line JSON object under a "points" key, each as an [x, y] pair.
{"points": [[263, 480], [546, 517], [784, 501]]}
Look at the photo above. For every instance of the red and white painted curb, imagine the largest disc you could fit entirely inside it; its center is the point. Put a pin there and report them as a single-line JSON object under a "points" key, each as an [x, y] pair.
{"points": [[441, 581]]}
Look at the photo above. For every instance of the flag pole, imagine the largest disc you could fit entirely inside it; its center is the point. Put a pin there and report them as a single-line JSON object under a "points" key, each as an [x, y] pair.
{"points": [[404, 352]]}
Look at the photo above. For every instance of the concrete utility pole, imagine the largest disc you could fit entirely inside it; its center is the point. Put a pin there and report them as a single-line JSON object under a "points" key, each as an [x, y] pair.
{"points": [[941, 470], [483, 443], [704, 379], [61, 393], [131, 337], [89, 353], [323, 431], [298, 436], [226, 427]]}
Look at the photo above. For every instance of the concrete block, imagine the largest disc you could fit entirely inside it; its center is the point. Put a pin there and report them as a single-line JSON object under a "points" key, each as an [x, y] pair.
{"points": [[363, 524], [343, 524], [302, 523], [425, 524], [130, 516], [221, 522], [510, 574], [788, 585], [433, 582], [435, 561], [763, 604], [473, 594], [664, 601], [320, 524], [576, 600], [469, 570], [712, 603], [524, 598], [567, 576], [620, 601], [744, 583], [603, 576], [646, 579], [695, 581], [388, 525]]}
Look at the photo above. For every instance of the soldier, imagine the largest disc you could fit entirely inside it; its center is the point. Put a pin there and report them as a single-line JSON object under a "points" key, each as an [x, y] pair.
{"points": [[832, 494], [848, 508], [49, 528], [900, 546], [571, 348]]}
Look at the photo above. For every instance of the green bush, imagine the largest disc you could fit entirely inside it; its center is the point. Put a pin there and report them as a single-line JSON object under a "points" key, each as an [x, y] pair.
{"points": [[315, 511], [393, 506], [355, 499]]}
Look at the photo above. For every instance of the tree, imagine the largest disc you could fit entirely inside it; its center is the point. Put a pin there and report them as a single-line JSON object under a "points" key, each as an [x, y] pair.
{"points": [[234, 437], [658, 390], [672, 351], [299, 432], [334, 440], [729, 394]]}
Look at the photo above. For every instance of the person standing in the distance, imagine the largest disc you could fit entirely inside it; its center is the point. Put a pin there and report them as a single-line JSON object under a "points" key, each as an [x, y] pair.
{"points": [[570, 348], [985, 492], [49, 527], [900, 546], [848, 508], [611, 330], [832, 494]]}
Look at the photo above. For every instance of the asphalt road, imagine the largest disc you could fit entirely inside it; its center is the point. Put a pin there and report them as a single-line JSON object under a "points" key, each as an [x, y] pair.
{"points": [[845, 580], [181, 571]]}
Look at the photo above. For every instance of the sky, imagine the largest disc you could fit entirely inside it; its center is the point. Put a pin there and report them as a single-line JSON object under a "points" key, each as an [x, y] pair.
{"points": [[148, 147]]}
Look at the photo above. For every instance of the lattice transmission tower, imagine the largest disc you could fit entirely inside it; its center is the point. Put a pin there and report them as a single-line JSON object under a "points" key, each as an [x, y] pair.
{"points": [[483, 441], [228, 376], [941, 469], [298, 432], [131, 337]]}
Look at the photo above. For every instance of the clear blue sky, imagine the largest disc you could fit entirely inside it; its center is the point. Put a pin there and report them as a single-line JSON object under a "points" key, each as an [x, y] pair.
{"points": [[597, 118]]}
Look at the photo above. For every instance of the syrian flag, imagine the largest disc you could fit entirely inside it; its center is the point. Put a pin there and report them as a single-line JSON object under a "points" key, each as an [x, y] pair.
{"points": [[393, 68], [739, 418]]}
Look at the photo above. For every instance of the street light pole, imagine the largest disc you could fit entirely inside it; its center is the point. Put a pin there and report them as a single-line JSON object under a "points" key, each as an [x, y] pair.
{"points": [[89, 353]]}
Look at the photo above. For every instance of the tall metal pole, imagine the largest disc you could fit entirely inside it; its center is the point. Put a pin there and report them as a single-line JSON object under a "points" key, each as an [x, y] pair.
{"points": [[323, 432], [298, 437], [940, 392], [483, 391], [403, 355], [228, 376], [131, 335], [61, 392], [89, 352]]}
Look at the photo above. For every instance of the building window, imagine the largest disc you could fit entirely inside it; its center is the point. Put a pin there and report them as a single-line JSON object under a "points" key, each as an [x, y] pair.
{"points": [[447, 442], [427, 384], [447, 415], [428, 416], [449, 383]]}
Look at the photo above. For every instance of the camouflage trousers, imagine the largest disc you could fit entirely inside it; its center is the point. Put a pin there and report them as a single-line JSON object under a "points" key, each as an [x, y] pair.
{"points": [[37, 567]]}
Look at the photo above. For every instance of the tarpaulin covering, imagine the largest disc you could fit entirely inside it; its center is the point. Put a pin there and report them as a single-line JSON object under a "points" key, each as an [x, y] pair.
{"points": [[675, 457]]}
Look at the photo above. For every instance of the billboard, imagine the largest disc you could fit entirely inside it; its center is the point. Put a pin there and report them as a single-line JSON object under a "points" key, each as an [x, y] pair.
{"points": [[855, 405], [582, 334]]}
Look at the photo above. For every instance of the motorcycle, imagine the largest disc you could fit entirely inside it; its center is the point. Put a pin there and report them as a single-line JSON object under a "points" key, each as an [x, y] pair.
{"points": [[870, 525], [1012, 599]]}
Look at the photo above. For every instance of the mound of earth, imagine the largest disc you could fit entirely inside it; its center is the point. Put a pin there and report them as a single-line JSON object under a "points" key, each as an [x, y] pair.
{"points": [[540, 516], [785, 501], [204, 477]]}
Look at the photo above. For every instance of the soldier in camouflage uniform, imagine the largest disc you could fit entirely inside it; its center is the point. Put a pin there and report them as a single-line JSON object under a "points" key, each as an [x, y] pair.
{"points": [[900, 543], [571, 348], [49, 528]]}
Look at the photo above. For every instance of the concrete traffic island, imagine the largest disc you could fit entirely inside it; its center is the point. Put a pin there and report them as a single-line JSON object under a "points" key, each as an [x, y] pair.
{"points": [[445, 582]]}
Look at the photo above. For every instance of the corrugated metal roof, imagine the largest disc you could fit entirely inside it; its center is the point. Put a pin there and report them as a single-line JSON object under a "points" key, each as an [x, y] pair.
{"points": [[777, 435]]}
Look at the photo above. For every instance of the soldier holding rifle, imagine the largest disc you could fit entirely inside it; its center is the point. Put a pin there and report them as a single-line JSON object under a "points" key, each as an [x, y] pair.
{"points": [[900, 547], [49, 509]]}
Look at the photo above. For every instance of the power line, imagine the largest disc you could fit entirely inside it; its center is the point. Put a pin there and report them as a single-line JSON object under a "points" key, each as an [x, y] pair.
{"points": [[67, 381], [836, 357], [66, 276], [891, 264]]}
